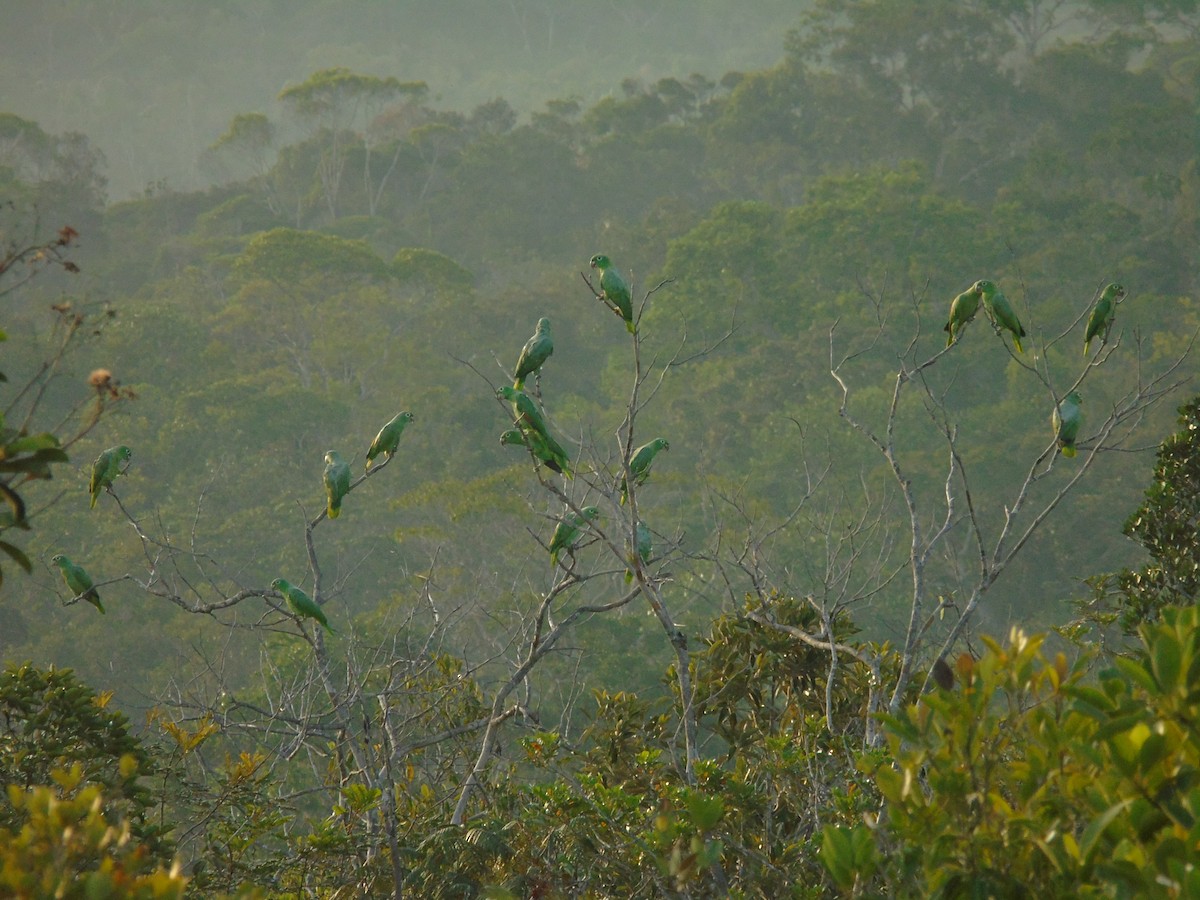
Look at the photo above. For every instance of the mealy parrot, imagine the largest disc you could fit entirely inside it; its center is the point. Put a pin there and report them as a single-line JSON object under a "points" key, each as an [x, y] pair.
{"points": [[512, 438], [300, 603], [78, 581], [566, 532], [107, 467], [337, 482], [639, 465], [1066, 420], [645, 544], [535, 352], [962, 311], [1102, 316], [549, 451], [528, 418], [389, 437], [526, 414], [1000, 311], [615, 290]]}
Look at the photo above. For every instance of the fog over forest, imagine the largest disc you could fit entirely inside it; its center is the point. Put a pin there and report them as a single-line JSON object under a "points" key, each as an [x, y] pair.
{"points": [[151, 82], [520, 448]]}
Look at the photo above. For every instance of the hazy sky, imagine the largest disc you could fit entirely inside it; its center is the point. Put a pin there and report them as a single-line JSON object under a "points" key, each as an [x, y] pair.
{"points": [[152, 82]]}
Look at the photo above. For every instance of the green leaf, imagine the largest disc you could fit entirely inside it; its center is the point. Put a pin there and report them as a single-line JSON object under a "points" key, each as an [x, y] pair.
{"points": [[837, 853], [1166, 659], [1136, 672], [18, 556], [31, 443], [1094, 831], [705, 811]]}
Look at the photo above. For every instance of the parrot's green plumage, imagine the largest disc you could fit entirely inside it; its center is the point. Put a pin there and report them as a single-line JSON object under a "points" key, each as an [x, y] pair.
{"points": [[645, 544], [1000, 311], [525, 412], [512, 438], [549, 451], [1066, 419], [535, 352], [640, 462], [78, 581], [1102, 316], [337, 482], [566, 532], [962, 311], [615, 290], [388, 438], [300, 603], [536, 434], [107, 467]]}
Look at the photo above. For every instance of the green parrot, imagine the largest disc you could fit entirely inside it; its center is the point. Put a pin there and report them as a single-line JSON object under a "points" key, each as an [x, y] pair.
{"points": [[639, 465], [566, 532], [525, 412], [388, 438], [337, 482], [1102, 316], [528, 418], [614, 290], [1000, 311], [535, 352], [512, 438], [1066, 420], [78, 581], [300, 603], [107, 467], [645, 544], [962, 311], [549, 451]]}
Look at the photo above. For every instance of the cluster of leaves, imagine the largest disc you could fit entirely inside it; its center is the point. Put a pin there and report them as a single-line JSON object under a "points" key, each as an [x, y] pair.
{"points": [[1028, 776], [1166, 526], [69, 846]]}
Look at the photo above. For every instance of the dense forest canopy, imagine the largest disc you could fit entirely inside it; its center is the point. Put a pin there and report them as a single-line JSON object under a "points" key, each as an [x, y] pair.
{"points": [[361, 227]]}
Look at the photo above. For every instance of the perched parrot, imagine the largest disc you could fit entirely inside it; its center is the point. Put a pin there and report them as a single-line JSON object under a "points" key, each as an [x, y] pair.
{"points": [[614, 290], [1102, 316], [548, 450], [107, 467], [389, 437], [78, 581], [300, 603], [566, 532], [512, 438], [1000, 311], [337, 482], [526, 415], [962, 311], [645, 543], [535, 352], [1066, 420], [639, 465]]}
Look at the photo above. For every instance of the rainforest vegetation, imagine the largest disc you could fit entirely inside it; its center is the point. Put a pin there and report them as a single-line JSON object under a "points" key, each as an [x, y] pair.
{"points": [[773, 580]]}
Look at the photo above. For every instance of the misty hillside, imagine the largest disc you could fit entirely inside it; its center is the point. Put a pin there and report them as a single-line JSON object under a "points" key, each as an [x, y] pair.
{"points": [[152, 84], [868, 320]]}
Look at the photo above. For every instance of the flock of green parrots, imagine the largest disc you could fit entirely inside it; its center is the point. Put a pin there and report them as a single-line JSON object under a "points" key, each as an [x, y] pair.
{"points": [[1068, 413], [532, 432]]}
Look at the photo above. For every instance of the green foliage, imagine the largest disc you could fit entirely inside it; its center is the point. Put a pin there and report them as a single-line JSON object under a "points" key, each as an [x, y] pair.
{"points": [[54, 722], [285, 254], [70, 845], [1028, 778], [1165, 525]]}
